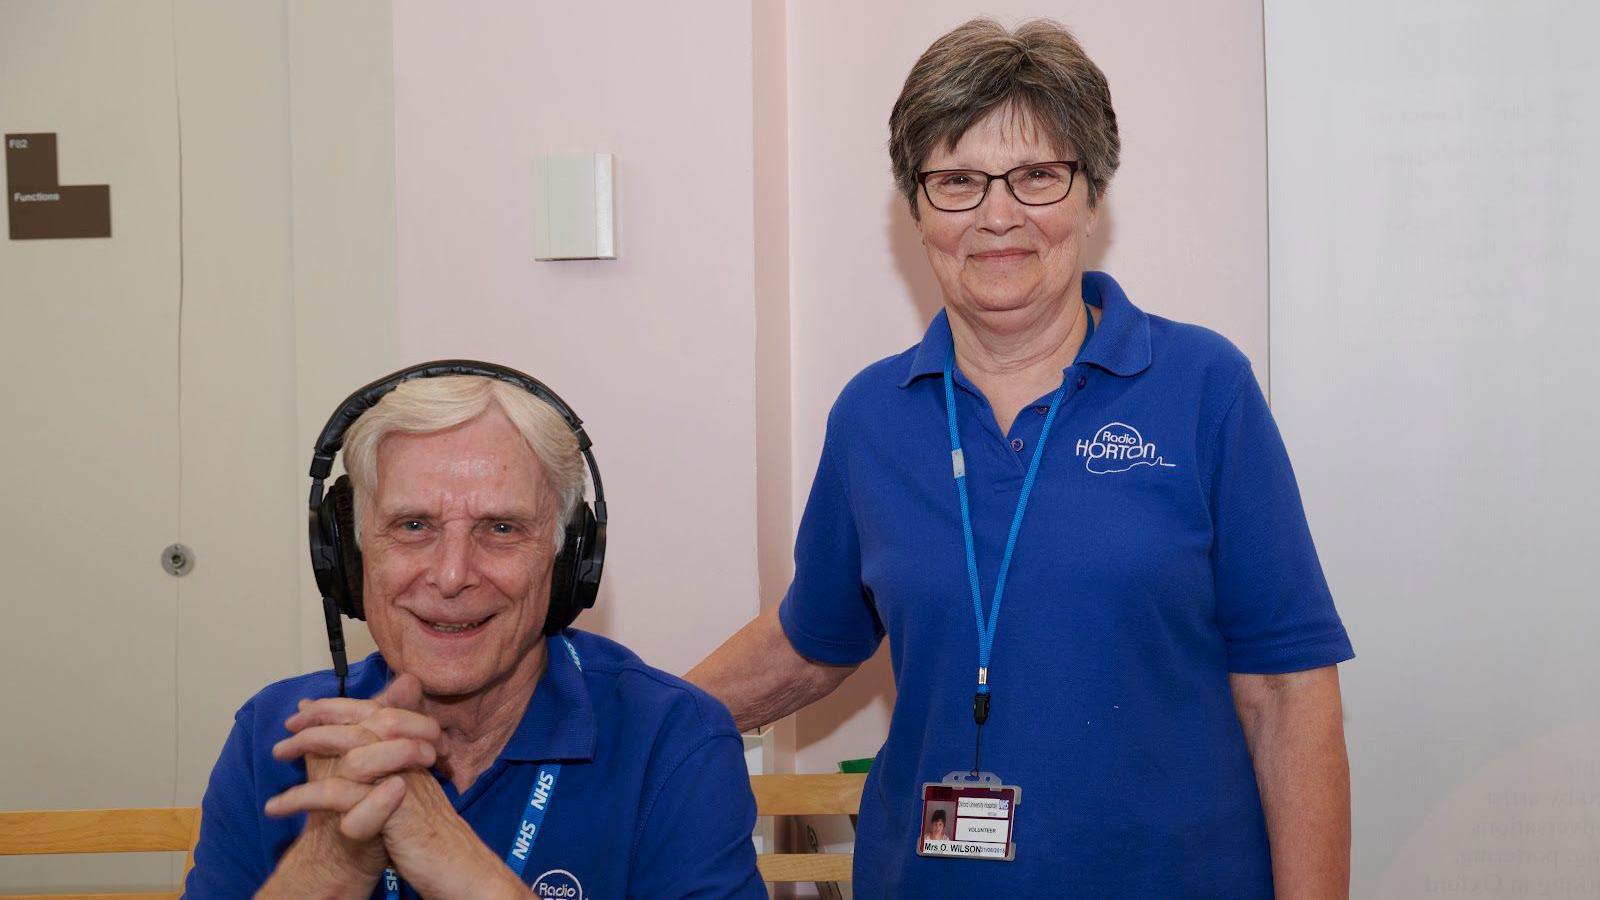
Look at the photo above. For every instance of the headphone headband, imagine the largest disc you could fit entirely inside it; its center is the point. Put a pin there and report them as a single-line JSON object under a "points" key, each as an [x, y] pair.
{"points": [[331, 439]]}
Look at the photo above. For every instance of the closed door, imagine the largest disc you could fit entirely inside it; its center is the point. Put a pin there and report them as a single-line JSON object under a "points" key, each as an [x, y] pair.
{"points": [[151, 400]]}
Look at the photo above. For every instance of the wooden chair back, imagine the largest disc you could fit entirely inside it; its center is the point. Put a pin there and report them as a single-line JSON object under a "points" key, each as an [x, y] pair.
{"points": [[806, 795], [176, 830], [100, 831]]}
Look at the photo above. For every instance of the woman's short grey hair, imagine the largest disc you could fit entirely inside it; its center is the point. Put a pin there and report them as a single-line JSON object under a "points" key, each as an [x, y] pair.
{"points": [[1039, 69], [426, 405]]}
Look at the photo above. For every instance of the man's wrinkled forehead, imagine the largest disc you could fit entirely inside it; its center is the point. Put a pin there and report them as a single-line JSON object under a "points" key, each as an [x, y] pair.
{"points": [[483, 458]]}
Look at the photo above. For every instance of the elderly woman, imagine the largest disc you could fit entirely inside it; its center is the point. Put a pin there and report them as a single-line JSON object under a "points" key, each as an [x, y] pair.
{"points": [[1113, 644]]}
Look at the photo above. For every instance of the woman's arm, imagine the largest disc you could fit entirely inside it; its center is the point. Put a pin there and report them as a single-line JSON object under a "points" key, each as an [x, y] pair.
{"points": [[760, 678], [1294, 726]]}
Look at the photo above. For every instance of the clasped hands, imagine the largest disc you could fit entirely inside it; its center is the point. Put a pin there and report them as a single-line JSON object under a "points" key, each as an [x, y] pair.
{"points": [[371, 802]]}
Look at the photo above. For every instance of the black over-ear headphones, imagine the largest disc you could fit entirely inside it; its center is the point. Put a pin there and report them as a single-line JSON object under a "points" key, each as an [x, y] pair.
{"points": [[336, 560]]}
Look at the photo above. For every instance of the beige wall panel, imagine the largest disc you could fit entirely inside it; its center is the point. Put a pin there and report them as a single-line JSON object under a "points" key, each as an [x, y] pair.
{"points": [[286, 274], [341, 112], [88, 331], [238, 621]]}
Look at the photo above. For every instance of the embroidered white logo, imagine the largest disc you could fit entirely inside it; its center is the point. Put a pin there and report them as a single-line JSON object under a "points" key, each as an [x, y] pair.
{"points": [[558, 884], [1118, 447]]}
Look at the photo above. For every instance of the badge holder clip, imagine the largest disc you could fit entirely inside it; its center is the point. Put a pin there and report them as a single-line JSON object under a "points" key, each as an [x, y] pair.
{"points": [[969, 815]]}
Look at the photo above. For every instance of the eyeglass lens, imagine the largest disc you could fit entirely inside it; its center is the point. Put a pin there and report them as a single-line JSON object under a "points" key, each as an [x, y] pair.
{"points": [[957, 190]]}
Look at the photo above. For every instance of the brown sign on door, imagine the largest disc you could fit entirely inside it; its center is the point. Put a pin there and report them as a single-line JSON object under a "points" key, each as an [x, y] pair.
{"points": [[40, 207]]}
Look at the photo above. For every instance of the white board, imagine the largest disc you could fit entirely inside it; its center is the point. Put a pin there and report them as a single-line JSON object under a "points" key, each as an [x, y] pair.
{"points": [[1434, 197]]}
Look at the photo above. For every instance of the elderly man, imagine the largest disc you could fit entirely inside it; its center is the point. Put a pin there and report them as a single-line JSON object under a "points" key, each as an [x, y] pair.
{"points": [[471, 756]]}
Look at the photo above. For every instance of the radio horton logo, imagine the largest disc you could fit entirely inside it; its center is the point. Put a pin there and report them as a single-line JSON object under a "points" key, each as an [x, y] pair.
{"points": [[558, 884], [1118, 447]]}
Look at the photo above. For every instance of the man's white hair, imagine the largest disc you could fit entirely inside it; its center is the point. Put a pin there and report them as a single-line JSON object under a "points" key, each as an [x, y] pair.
{"points": [[426, 405]]}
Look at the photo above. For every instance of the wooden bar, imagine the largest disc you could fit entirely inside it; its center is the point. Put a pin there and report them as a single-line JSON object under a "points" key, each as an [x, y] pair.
{"points": [[778, 867], [807, 795], [98, 831]]}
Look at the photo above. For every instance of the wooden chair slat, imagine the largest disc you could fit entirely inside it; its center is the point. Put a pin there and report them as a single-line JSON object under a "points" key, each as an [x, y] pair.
{"points": [[807, 795], [98, 831], [177, 829], [160, 895], [782, 867]]}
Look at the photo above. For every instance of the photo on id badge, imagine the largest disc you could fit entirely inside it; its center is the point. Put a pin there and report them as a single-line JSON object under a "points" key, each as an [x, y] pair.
{"points": [[966, 819]]}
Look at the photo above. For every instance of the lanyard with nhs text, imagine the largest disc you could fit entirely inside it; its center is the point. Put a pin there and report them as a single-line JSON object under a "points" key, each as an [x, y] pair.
{"points": [[986, 625], [540, 800]]}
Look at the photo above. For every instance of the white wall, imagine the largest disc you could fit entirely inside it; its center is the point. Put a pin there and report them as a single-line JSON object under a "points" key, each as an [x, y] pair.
{"points": [[1183, 229], [1434, 197], [656, 349]]}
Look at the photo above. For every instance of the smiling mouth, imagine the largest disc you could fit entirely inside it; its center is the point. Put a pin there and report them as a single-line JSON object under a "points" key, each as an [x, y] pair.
{"points": [[454, 627]]}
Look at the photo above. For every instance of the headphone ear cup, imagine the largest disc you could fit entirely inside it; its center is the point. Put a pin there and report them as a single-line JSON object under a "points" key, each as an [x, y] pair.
{"points": [[586, 585], [325, 555], [339, 508], [571, 590]]}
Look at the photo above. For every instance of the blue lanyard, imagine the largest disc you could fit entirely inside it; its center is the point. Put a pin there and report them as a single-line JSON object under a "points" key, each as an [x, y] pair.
{"points": [[539, 802], [986, 625]]}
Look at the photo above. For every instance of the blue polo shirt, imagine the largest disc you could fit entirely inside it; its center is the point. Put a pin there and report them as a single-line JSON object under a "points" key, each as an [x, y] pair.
{"points": [[1164, 547], [653, 798]]}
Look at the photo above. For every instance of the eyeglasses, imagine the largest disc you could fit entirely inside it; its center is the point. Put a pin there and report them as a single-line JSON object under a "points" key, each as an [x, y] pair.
{"points": [[1035, 184]]}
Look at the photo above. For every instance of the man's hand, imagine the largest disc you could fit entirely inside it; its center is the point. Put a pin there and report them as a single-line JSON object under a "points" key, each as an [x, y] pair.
{"points": [[437, 852], [354, 752], [351, 787], [379, 786]]}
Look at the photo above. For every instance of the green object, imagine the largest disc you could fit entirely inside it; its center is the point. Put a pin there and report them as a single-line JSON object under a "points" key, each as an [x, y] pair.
{"points": [[855, 766]]}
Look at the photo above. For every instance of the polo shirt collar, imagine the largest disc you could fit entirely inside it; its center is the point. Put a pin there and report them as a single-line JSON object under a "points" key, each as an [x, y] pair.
{"points": [[1121, 342], [559, 722]]}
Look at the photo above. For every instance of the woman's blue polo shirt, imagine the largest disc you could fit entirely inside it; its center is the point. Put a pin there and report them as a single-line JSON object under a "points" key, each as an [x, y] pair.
{"points": [[1163, 548], [653, 799]]}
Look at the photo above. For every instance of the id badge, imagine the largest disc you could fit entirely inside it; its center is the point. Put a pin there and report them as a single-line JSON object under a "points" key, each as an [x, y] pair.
{"points": [[969, 816]]}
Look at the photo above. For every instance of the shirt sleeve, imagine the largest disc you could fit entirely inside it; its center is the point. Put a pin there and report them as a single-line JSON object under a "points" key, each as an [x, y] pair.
{"points": [[1273, 605], [827, 614], [695, 840], [228, 860]]}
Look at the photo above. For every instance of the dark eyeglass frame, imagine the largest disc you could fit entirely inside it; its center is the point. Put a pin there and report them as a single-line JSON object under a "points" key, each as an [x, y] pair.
{"points": [[1073, 166]]}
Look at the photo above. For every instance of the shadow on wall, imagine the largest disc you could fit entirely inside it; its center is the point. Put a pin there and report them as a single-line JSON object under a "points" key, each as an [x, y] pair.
{"points": [[1105, 234], [871, 687], [911, 261]]}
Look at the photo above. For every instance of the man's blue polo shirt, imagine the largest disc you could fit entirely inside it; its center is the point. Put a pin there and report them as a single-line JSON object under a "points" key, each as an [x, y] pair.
{"points": [[1164, 547], [653, 798]]}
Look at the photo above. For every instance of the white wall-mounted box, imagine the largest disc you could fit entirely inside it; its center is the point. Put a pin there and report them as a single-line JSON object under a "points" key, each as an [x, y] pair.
{"points": [[573, 210]]}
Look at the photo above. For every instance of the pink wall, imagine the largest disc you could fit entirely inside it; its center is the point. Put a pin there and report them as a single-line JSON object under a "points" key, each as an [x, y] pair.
{"points": [[655, 349], [707, 356], [1184, 224]]}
